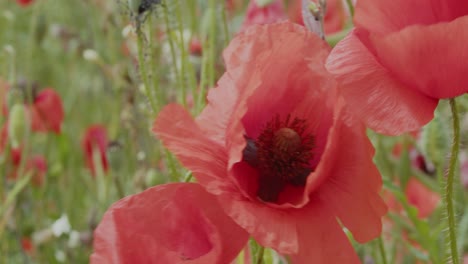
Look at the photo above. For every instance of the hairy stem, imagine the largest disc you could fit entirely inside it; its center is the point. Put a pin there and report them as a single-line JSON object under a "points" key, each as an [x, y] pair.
{"points": [[449, 183]]}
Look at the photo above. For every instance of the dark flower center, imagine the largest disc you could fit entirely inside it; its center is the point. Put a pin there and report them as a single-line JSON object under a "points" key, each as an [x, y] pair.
{"points": [[281, 154]]}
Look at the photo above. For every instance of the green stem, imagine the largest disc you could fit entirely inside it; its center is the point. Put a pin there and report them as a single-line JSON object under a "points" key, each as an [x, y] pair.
{"points": [[449, 184], [351, 7], [179, 79], [383, 255], [142, 67], [261, 250]]}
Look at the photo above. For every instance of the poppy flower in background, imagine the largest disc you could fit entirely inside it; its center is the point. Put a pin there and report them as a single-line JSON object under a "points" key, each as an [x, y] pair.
{"points": [[24, 2], [395, 66], [424, 200], [3, 137], [278, 149], [95, 138], [258, 14], [335, 17], [421, 197], [170, 223], [47, 112], [36, 165]]}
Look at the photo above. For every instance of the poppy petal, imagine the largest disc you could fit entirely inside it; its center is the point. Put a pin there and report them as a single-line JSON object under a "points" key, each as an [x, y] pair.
{"points": [[321, 238], [351, 191], [382, 102], [383, 17], [269, 226], [168, 223], [48, 106], [184, 138], [418, 55]]}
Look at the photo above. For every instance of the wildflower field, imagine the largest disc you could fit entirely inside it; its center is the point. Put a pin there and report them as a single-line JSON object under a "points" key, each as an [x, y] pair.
{"points": [[234, 131]]}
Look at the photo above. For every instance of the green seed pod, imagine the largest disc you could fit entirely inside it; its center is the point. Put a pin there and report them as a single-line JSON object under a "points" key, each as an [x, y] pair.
{"points": [[18, 124]]}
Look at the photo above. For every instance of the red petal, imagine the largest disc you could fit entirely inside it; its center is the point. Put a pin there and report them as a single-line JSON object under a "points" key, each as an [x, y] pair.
{"points": [[351, 191], [274, 228], [95, 137], [382, 16], [272, 12], [49, 109], [3, 136], [183, 137], [321, 239], [170, 223], [38, 165], [373, 94], [420, 57]]}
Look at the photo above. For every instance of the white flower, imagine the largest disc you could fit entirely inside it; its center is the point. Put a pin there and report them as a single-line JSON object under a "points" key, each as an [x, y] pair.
{"points": [[61, 226]]}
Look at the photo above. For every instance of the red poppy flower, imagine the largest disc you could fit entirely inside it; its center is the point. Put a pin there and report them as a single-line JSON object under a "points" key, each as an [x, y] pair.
{"points": [[464, 172], [3, 137], [4, 87], [195, 47], [395, 66], [278, 149], [95, 138], [47, 111], [171, 223], [39, 166], [27, 245], [36, 165], [335, 16], [418, 195], [421, 197], [24, 2], [268, 13]]}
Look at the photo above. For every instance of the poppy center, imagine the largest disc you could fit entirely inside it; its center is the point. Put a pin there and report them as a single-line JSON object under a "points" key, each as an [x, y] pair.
{"points": [[281, 154]]}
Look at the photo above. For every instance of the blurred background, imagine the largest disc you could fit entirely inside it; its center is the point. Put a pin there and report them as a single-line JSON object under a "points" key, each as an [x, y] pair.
{"points": [[91, 76]]}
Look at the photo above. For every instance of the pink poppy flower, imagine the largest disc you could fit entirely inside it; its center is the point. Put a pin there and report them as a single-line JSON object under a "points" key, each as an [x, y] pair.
{"points": [[47, 112], [258, 15], [24, 2], [36, 165], [170, 223], [395, 65], [335, 16], [95, 138], [278, 149]]}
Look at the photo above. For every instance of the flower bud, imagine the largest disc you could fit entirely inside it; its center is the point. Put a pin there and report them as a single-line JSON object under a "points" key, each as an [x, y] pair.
{"points": [[18, 125]]}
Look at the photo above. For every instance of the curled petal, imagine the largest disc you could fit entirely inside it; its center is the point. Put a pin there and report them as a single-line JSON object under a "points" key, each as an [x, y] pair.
{"points": [[183, 137], [384, 104], [321, 238], [382, 17], [418, 55], [171, 223], [351, 192]]}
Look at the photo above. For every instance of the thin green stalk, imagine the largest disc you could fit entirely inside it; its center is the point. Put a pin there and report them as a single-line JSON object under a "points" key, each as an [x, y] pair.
{"points": [[186, 70], [350, 7], [225, 24], [179, 79], [207, 79], [449, 183], [383, 255], [260, 253], [142, 67], [153, 70]]}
